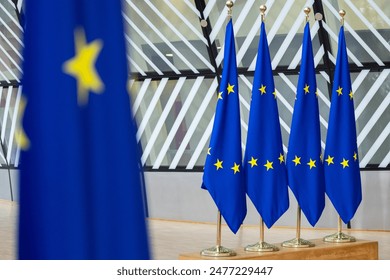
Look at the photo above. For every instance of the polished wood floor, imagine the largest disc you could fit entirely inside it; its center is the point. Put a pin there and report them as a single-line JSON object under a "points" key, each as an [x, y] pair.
{"points": [[169, 239]]}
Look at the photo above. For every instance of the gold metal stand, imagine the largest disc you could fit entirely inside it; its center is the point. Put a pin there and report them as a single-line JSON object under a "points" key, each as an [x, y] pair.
{"points": [[261, 246], [218, 250], [339, 237], [298, 242]]}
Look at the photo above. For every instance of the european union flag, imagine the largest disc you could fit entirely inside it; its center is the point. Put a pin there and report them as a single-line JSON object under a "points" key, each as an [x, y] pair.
{"points": [[223, 176], [264, 161], [304, 160], [80, 178], [342, 174]]}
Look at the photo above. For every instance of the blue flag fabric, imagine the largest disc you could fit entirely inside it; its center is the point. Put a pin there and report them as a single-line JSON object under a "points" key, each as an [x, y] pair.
{"points": [[342, 174], [223, 176], [80, 178], [304, 160], [264, 160]]}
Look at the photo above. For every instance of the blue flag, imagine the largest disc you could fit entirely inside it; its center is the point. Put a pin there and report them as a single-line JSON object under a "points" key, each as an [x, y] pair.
{"points": [[342, 174], [223, 176], [264, 161], [80, 177], [304, 160]]}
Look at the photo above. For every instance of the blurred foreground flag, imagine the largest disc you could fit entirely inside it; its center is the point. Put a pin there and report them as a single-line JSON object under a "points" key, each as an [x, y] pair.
{"points": [[80, 185], [264, 160], [304, 160], [342, 174], [223, 176]]}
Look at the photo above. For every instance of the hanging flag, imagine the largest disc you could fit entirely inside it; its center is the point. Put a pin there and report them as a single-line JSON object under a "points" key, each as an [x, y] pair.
{"points": [[342, 174], [304, 157], [264, 161], [223, 176], [80, 178]]}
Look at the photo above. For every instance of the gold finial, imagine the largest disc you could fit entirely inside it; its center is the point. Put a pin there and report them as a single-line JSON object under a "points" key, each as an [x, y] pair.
{"points": [[342, 14], [307, 11], [229, 5], [263, 8]]}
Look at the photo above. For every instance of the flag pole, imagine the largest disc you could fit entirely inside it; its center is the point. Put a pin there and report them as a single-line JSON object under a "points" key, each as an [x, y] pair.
{"points": [[339, 236], [298, 242], [218, 250], [262, 246]]}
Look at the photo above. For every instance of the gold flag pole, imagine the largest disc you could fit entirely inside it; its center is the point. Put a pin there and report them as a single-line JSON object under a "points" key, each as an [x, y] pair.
{"points": [[339, 236], [218, 250], [298, 242], [262, 246]]}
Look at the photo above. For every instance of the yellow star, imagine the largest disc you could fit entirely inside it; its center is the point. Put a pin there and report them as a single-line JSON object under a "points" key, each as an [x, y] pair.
{"points": [[230, 88], [281, 158], [316, 92], [321, 158], [262, 89], [220, 95], [297, 160], [340, 91], [269, 165], [236, 168], [344, 163], [218, 164], [253, 162], [329, 160], [20, 135], [274, 93], [208, 151], [351, 95], [311, 163], [82, 67], [306, 88], [355, 156]]}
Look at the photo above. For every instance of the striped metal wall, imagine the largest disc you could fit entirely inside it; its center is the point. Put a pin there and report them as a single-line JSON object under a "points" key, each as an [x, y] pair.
{"points": [[175, 58]]}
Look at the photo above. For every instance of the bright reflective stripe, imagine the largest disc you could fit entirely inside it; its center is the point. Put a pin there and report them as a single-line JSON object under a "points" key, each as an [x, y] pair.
{"points": [[13, 125], [194, 124], [156, 131], [144, 56], [371, 93], [368, 24], [202, 143], [145, 38], [179, 119], [183, 38], [5, 115], [373, 120], [140, 95], [150, 108], [375, 147]]}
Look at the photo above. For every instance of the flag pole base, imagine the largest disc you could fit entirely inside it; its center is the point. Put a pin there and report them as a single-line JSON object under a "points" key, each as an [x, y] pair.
{"points": [[339, 237], [297, 243], [218, 251], [261, 247]]}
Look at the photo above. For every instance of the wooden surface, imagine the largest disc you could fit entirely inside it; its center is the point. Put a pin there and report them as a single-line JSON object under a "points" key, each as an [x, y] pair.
{"points": [[359, 250]]}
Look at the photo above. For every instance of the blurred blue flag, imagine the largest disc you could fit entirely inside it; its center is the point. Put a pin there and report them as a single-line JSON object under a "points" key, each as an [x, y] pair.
{"points": [[223, 176], [342, 174], [80, 185], [304, 160], [265, 168]]}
